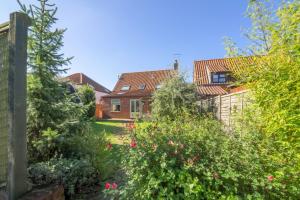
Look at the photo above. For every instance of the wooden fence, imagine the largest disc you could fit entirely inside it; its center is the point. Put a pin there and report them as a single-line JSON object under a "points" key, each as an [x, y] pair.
{"points": [[13, 57], [226, 107]]}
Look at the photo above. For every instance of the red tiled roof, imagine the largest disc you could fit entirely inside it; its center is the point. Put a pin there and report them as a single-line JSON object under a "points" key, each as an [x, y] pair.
{"points": [[82, 79], [135, 79], [211, 90], [136, 93], [219, 65]]}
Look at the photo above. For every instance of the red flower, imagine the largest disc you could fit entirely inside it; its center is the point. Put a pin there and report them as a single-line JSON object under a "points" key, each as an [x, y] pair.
{"points": [[130, 126], [133, 144], [109, 146], [270, 178], [114, 186], [107, 186]]}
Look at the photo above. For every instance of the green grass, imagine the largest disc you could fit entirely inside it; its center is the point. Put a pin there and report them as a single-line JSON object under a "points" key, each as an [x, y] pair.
{"points": [[113, 130], [116, 134]]}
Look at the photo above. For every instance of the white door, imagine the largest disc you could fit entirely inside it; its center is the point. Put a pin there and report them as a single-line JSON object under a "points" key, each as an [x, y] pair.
{"points": [[135, 107]]}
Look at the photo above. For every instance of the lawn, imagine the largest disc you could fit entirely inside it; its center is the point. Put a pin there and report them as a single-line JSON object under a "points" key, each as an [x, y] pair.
{"points": [[114, 131]]}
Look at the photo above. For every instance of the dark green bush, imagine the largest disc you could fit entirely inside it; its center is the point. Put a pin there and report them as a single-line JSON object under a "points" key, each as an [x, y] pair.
{"points": [[195, 159], [88, 99], [75, 175]]}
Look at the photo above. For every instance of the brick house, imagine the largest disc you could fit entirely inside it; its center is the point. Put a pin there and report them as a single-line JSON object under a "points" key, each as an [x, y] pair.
{"points": [[79, 79], [214, 77], [131, 95]]}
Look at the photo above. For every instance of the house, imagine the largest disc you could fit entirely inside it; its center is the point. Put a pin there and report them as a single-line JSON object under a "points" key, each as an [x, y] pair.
{"points": [[131, 95], [79, 79], [215, 76]]}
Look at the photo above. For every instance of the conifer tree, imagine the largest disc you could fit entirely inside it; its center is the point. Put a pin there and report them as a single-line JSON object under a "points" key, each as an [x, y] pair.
{"points": [[49, 106]]}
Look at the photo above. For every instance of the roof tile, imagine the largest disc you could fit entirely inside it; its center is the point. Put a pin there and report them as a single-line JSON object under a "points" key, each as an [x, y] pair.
{"points": [[135, 79]]}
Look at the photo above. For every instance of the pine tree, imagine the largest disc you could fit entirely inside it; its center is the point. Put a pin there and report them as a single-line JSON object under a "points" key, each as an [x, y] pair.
{"points": [[49, 106]]}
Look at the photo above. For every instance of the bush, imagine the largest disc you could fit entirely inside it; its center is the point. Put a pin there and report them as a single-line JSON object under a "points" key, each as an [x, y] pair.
{"points": [[88, 98], [75, 175], [194, 159], [175, 97], [92, 147]]}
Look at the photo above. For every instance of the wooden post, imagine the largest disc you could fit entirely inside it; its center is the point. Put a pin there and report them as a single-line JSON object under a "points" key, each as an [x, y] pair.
{"points": [[17, 148], [219, 108]]}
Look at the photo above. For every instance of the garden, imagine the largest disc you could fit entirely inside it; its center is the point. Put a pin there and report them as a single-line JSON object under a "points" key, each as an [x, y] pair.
{"points": [[177, 153]]}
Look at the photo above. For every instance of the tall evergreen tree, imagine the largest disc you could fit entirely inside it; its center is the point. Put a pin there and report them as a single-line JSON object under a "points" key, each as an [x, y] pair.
{"points": [[49, 106]]}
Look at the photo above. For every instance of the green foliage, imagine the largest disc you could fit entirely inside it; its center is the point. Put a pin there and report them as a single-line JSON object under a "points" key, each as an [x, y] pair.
{"points": [[175, 97], [88, 98], [52, 114], [193, 158], [275, 87], [75, 175], [91, 146]]}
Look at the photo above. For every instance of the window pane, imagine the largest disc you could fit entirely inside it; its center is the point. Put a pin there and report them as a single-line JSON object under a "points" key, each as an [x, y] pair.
{"points": [[137, 106], [125, 87], [115, 101], [215, 78], [222, 80], [132, 106], [115, 105]]}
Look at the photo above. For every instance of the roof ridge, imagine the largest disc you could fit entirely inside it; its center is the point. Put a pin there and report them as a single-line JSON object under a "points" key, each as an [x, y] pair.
{"points": [[226, 58], [147, 71]]}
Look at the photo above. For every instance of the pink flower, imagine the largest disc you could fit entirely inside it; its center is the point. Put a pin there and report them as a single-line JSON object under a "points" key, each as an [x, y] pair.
{"points": [[130, 126], [216, 175], [181, 146], [270, 178], [107, 186], [109, 146], [133, 144], [114, 186], [154, 146], [171, 142]]}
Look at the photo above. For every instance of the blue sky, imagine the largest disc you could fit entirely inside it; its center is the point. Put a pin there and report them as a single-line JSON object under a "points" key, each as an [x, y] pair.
{"points": [[109, 37]]}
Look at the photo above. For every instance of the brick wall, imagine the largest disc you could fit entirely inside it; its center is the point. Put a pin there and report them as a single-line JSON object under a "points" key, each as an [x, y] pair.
{"points": [[125, 107]]}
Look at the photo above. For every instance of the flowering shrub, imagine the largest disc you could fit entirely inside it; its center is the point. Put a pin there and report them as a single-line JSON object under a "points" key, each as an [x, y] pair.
{"points": [[194, 159]]}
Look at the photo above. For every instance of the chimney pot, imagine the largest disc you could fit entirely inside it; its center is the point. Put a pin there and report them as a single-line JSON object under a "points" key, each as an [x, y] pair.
{"points": [[176, 65]]}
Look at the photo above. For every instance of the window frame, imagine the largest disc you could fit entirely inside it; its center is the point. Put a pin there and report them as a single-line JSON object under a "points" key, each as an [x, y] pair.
{"points": [[112, 105], [217, 77]]}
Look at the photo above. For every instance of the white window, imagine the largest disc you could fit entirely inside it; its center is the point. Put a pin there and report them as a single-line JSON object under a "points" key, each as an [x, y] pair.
{"points": [[115, 105], [125, 87], [142, 86]]}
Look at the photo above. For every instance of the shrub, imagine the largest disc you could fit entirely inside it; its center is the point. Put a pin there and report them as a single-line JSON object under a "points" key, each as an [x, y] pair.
{"points": [[87, 97], [92, 147], [75, 175], [195, 159], [173, 98], [274, 82]]}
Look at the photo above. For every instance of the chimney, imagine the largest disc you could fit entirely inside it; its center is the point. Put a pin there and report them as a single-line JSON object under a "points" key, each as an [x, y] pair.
{"points": [[176, 65]]}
